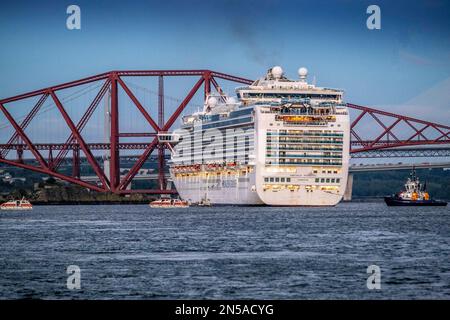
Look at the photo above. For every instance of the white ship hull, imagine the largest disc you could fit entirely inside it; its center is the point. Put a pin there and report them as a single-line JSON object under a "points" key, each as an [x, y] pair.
{"points": [[223, 193], [229, 189]]}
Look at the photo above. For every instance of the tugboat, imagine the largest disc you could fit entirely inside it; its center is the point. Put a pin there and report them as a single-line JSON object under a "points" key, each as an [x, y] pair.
{"points": [[415, 194], [16, 205], [169, 203]]}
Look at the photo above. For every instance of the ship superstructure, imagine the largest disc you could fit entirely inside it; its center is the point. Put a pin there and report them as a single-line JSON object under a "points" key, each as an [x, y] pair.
{"points": [[280, 142]]}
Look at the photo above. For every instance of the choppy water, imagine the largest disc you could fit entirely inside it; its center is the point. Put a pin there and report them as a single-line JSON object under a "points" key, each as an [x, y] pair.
{"points": [[133, 252]]}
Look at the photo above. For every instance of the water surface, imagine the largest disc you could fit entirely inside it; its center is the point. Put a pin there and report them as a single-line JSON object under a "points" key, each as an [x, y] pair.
{"points": [[136, 252]]}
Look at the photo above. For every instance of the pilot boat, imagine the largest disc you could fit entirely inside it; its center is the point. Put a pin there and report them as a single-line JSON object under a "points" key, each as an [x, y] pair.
{"points": [[16, 205], [415, 194], [169, 203]]}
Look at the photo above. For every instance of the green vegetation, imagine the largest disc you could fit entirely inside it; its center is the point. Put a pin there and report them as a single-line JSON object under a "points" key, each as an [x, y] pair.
{"points": [[382, 183], [16, 183], [40, 187]]}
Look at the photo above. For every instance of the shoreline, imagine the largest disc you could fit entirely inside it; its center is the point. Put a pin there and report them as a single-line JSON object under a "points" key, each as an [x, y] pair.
{"points": [[146, 202], [71, 203]]}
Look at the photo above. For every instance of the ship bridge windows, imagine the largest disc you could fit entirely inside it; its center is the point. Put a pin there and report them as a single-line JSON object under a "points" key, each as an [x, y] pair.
{"points": [[227, 123], [240, 112], [277, 179]]}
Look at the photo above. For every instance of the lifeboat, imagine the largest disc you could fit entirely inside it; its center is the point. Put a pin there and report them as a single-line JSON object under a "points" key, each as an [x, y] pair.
{"points": [[169, 203], [16, 205], [212, 167]]}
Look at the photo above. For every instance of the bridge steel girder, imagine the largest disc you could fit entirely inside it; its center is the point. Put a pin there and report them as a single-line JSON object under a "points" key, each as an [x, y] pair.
{"points": [[382, 141], [380, 146], [113, 81], [403, 153]]}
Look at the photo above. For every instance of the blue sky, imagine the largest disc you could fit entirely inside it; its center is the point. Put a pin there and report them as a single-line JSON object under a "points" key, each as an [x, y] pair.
{"points": [[408, 57]]}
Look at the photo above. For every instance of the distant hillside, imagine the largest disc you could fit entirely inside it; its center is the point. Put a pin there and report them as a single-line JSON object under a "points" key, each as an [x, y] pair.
{"points": [[369, 184], [381, 183]]}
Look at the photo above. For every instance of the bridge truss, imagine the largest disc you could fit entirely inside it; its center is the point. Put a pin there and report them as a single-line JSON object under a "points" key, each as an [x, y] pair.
{"points": [[390, 139]]}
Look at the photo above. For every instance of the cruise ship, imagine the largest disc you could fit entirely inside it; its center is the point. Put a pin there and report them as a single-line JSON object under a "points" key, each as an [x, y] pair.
{"points": [[280, 142]]}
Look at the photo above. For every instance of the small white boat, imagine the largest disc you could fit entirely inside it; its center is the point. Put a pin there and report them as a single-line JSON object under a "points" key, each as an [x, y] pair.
{"points": [[169, 203], [204, 202], [16, 205]]}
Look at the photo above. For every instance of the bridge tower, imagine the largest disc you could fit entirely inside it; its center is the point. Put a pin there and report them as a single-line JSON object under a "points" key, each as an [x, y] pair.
{"points": [[107, 133]]}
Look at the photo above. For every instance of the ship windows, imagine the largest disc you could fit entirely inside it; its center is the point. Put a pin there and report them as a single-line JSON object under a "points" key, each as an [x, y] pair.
{"points": [[332, 180], [277, 179], [322, 180], [241, 112], [338, 180], [317, 180], [327, 180]]}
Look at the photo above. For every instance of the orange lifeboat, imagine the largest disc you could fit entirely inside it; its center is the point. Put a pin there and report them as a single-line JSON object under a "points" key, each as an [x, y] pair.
{"points": [[169, 203], [16, 205]]}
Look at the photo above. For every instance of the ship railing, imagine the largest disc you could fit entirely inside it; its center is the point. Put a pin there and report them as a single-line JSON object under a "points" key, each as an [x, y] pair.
{"points": [[284, 134], [304, 141], [303, 156], [337, 163]]}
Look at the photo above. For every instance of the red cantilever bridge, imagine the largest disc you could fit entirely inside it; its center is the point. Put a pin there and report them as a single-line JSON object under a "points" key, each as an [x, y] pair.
{"points": [[374, 133]]}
